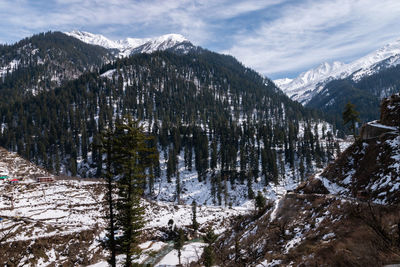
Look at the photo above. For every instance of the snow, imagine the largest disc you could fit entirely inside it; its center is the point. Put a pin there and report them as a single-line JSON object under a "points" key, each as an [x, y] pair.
{"points": [[67, 206], [282, 82], [347, 180], [269, 264], [309, 83], [10, 67], [328, 236], [333, 188], [159, 213], [95, 39], [297, 88], [108, 74], [294, 241], [190, 253], [275, 210], [389, 182], [379, 125], [130, 45]]}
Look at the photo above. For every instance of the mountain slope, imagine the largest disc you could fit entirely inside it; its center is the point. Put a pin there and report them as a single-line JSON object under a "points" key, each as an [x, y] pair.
{"points": [[346, 216], [44, 61], [205, 110], [308, 83], [363, 82], [304, 87], [131, 46]]}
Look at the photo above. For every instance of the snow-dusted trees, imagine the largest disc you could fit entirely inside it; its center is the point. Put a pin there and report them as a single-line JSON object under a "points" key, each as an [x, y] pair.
{"points": [[130, 158]]}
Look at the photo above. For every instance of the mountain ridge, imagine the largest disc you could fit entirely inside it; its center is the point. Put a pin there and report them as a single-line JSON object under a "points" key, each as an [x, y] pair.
{"points": [[129, 46], [309, 83]]}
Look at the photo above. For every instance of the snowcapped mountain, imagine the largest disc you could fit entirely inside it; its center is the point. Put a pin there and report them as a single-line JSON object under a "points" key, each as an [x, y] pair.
{"points": [[304, 87], [131, 46], [283, 82], [94, 39]]}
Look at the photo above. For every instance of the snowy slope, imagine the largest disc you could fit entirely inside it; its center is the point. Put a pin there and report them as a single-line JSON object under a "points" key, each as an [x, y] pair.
{"points": [[309, 83], [95, 39], [130, 46], [10, 67]]}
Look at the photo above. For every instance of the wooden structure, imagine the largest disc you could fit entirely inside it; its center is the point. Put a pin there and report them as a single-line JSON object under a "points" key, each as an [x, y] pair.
{"points": [[45, 179]]}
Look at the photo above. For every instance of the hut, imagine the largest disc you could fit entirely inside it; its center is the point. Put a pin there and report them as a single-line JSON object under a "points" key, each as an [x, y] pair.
{"points": [[45, 179]]}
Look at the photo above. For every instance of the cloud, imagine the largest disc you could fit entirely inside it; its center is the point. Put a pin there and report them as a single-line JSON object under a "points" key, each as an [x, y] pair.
{"points": [[275, 37], [307, 33], [146, 18]]}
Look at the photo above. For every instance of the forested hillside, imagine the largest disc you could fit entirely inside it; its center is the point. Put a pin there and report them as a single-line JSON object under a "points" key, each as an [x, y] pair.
{"points": [[44, 61], [225, 120]]}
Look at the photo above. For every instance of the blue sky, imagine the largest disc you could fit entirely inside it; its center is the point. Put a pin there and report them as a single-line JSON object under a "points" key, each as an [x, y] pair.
{"points": [[278, 38]]}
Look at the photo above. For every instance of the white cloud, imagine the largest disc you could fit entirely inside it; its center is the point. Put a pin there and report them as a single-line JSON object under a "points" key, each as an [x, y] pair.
{"points": [[191, 18], [274, 37]]}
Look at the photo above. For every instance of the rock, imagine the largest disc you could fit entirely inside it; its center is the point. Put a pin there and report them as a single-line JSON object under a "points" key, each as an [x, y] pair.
{"points": [[312, 186], [390, 111], [372, 130]]}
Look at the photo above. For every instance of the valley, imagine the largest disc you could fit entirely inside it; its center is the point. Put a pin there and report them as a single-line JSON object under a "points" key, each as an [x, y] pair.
{"points": [[180, 156]]}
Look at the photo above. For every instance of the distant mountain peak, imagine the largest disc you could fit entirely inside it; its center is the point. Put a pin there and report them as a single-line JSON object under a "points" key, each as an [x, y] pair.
{"points": [[95, 39], [309, 83], [296, 87], [130, 45]]}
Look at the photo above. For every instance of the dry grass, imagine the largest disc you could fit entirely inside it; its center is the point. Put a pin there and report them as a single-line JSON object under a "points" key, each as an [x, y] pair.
{"points": [[352, 236]]}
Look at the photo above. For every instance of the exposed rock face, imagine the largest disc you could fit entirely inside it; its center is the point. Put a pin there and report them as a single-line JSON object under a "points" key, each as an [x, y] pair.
{"points": [[373, 130], [371, 165], [389, 120], [390, 111], [312, 186]]}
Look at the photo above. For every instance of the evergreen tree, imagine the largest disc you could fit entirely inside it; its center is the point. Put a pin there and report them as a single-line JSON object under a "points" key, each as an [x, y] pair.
{"points": [[179, 242], [107, 148], [350, 115], [195, 224], [209, 256], [178, 188], [260, 201], [132, 156], [301, 168]]}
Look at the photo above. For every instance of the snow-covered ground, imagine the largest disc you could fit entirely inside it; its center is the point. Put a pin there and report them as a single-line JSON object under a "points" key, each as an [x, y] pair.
{"points": [[66, 207], [61, 207], [190, 253], [10, 67]]}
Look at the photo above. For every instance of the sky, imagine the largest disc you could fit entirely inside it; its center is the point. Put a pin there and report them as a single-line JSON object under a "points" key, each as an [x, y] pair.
{"points": [[277, 38]]}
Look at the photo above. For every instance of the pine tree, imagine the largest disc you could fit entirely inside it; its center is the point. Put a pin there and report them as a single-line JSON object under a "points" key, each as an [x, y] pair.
{"points": [[178, 244], [260, 201], [350, 115], [195, 224], [301, 168], [209, 256], [132, 156], [250, 192], [178, 188], [107, 148]]}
